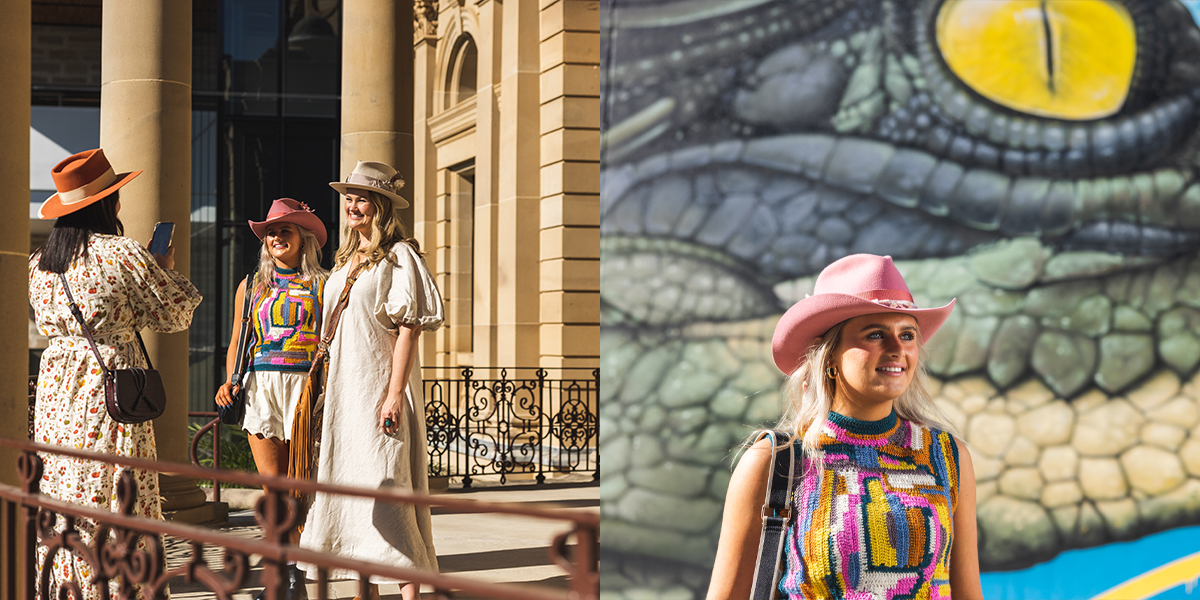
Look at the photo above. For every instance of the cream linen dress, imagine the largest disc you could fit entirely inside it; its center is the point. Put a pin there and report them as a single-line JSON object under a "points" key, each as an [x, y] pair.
{"points": [[120, 289], [354, 450]]}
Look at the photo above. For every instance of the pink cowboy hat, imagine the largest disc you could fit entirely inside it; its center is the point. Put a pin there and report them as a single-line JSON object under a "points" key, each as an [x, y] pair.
{"points": [[859, 284], [286, 210]]}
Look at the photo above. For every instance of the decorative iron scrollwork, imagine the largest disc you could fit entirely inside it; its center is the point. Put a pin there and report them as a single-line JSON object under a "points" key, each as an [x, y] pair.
{"points": [[506, 426], [115, 554]]}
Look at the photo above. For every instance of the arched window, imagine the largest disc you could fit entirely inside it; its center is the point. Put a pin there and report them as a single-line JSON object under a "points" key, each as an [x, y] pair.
{"points": [[460, 77]]}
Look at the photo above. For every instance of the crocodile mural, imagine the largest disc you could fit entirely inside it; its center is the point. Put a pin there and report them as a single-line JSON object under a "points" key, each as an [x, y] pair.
{"points": [[1037, 160]]}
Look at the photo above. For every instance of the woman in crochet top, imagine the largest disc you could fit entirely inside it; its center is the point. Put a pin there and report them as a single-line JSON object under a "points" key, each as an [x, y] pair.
{"points": [[883, 501]]}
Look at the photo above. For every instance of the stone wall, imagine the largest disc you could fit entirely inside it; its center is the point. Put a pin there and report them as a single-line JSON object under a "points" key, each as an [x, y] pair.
{"points": [[66, 55]]}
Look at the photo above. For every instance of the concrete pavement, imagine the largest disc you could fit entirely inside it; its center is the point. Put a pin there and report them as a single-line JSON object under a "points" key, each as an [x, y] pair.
{"points": [[485, 547]]}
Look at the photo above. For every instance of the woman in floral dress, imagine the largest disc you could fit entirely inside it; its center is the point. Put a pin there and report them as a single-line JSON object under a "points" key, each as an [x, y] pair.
{"points": [[120, 288]]}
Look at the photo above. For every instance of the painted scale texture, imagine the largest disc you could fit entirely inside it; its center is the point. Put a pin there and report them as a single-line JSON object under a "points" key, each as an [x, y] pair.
{"points": [[878, 524], [120, 289], [286, 328]]}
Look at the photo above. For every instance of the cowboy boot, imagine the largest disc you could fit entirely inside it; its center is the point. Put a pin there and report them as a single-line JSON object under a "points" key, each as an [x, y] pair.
{"points": [[295, 589]]}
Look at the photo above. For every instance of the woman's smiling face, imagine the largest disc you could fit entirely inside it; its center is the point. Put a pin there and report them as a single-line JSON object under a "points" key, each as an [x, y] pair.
{"points": [[877, 357], [284, 244], [359, 212]]}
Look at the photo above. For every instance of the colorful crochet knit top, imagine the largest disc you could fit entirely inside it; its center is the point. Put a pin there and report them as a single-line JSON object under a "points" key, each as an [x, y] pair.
{"points": [[878, 526], [285, 324]]}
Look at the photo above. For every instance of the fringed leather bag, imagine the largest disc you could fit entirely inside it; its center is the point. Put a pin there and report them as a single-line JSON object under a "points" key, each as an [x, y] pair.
{"points": [[306, 422], [130, 395]]}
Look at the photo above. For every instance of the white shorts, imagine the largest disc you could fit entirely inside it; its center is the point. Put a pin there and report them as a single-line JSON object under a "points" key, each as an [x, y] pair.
{"points": [[271, 398]]}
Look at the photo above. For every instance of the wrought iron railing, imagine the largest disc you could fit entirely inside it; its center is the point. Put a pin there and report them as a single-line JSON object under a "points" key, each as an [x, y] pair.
{"points": [[492, 426], [506, 425], [214, 426], [29, 518]]}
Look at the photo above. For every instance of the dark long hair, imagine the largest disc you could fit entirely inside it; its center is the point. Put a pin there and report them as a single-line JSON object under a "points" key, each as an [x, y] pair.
{"points": [[69, 238]]}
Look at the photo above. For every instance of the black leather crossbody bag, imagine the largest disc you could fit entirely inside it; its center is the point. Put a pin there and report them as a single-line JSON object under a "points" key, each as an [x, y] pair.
{"points": [[130, 395]]}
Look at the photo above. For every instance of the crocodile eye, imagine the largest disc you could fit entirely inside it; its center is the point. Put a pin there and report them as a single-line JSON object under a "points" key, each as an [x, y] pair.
{"points": [[1062, 59]]}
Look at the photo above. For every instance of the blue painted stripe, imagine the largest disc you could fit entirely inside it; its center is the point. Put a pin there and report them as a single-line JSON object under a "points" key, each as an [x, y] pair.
{"points": [[1087, 572]]}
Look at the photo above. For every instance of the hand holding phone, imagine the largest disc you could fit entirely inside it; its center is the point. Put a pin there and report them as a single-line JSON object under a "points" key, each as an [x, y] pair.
{"points": [[160, 245], [161, 241]]}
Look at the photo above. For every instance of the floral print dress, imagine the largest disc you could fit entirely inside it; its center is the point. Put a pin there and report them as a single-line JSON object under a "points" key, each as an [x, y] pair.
{"points": [[120, 289]]}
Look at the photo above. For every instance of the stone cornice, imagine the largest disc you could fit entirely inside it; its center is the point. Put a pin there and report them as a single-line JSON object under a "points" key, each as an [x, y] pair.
{"points": [[452, 121]]}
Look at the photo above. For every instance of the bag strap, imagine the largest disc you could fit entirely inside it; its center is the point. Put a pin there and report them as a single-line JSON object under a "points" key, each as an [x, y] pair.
{"points": [[312, 291], [334, 317], [239, 361], [78, 314], [776, 511]]}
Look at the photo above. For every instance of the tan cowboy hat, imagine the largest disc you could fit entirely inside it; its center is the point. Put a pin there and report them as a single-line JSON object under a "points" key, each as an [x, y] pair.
{"points": [[291, 211], [82, 179], [859, 284], [375, 177]]}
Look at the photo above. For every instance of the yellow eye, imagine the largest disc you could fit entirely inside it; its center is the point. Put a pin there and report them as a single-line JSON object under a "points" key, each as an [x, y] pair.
{"points": [[1066, 59]]}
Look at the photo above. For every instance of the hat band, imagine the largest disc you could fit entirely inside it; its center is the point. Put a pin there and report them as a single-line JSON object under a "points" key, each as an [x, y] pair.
{"points": [[889, 298], [357, 179], [88, 190], [390, 187]]}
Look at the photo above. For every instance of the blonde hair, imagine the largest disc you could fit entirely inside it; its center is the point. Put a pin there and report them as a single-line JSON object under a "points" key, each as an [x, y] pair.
{"points": [[809, 393], [310, 269], [386, 231]]}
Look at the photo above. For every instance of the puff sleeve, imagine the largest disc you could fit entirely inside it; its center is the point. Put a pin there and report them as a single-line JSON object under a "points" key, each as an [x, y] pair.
{"points": [[162, 300], [407, 292]]}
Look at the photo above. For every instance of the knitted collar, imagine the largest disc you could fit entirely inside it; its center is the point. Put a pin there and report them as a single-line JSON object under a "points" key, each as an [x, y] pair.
{"points": [[865, 428]]}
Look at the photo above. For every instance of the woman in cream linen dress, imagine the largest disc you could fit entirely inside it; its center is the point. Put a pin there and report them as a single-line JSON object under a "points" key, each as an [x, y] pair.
{"points": [[354, 449]]}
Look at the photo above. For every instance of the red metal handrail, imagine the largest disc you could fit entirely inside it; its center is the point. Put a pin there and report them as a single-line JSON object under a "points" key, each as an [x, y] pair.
{"points": [[277, 513], [194, 449]]}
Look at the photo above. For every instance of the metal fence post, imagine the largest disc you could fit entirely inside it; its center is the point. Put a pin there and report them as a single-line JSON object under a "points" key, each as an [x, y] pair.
{"points": [[466, 426], [596, 381], [217, 460], [542, 426], [29, 469]]}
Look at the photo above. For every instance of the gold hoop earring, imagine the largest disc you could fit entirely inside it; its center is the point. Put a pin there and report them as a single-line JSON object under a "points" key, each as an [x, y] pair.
{"points": [[831, 372]]}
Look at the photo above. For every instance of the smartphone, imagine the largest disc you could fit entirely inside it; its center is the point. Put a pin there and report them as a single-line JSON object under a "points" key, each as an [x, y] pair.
{"points": [[161, 241]]}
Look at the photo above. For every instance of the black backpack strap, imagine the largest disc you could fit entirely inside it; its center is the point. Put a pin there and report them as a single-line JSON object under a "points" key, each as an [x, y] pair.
{"points": [[776, 511]]}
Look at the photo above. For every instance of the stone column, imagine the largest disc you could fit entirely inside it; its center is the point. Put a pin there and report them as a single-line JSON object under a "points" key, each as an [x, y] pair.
{"points": [[570, 219], [14, 228], [145, 123], [519, 187], [377, 88], [423, 188], [487, 188]]}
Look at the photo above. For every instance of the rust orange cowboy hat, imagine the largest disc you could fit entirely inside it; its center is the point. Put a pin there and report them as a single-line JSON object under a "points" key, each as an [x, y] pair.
{"points": [[80, 180], [287, 210], [859, 284]]}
